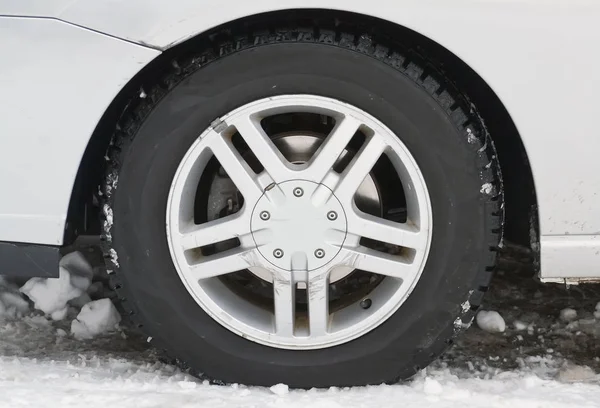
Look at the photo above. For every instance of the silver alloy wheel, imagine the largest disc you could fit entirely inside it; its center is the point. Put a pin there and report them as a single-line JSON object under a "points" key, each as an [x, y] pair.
{"points": [[299, 241]]}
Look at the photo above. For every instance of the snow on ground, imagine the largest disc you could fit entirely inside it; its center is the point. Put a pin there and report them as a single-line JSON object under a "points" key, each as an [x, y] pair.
{"points": [[111, 373], [51, 295], [490, 321], [568, 314], [96, 317], [540, 360]]}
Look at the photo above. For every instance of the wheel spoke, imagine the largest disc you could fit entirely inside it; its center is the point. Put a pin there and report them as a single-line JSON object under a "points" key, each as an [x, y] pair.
{"points": [[233, 260], [299, 225], [330, 151], [318, 304], [284, 302], [236, 167], [359, 168], [263, 148], [390, 232], [369, 260], [212, 232]]}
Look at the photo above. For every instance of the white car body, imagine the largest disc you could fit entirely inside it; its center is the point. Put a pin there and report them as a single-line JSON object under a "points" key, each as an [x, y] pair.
{"points": [[65, 61]]}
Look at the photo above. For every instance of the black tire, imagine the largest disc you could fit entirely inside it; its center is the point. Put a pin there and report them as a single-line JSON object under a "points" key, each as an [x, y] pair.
{"points": [[434, 120]]}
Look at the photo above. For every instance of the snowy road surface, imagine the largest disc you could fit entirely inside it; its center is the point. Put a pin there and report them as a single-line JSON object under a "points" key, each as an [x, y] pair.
{"points": [[540, 360], [101, 381]]}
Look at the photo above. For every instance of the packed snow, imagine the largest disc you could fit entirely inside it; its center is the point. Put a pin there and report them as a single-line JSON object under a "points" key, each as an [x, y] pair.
{"points": [[52, 295], [490, 321], [519, 325], [568, 315], [487, 188], [12, 305], [86, 357], [96, 317], [471, 138], [574, 373], [280, 389]]}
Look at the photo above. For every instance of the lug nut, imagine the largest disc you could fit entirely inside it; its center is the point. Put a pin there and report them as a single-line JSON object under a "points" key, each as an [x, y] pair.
{"points": [[366, 303], [278, 253], [332, 215], [298, 192], [319, 253], [264, 215]]}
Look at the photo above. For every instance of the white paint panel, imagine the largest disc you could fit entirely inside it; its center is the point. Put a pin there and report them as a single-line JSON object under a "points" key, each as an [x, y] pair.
{"points": [[538, 56], [56, 81], [570, 257], [46, 8]]}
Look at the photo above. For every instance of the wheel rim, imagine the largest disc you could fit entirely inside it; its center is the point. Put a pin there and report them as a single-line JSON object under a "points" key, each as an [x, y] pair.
{"points": [[298, 224]]}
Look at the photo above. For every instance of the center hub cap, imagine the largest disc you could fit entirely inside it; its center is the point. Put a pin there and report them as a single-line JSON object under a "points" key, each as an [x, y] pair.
{"points": [[298, 225]]}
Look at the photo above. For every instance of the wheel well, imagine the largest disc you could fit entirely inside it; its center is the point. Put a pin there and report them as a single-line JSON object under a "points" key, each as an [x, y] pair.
{"points": [[521, 226]]}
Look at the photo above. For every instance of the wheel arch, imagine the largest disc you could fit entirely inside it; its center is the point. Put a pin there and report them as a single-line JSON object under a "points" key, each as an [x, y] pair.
{"points": [[521, 223]]}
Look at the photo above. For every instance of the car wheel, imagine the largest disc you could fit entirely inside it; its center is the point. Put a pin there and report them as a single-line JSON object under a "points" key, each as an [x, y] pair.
{"points": [[309, 209]]}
